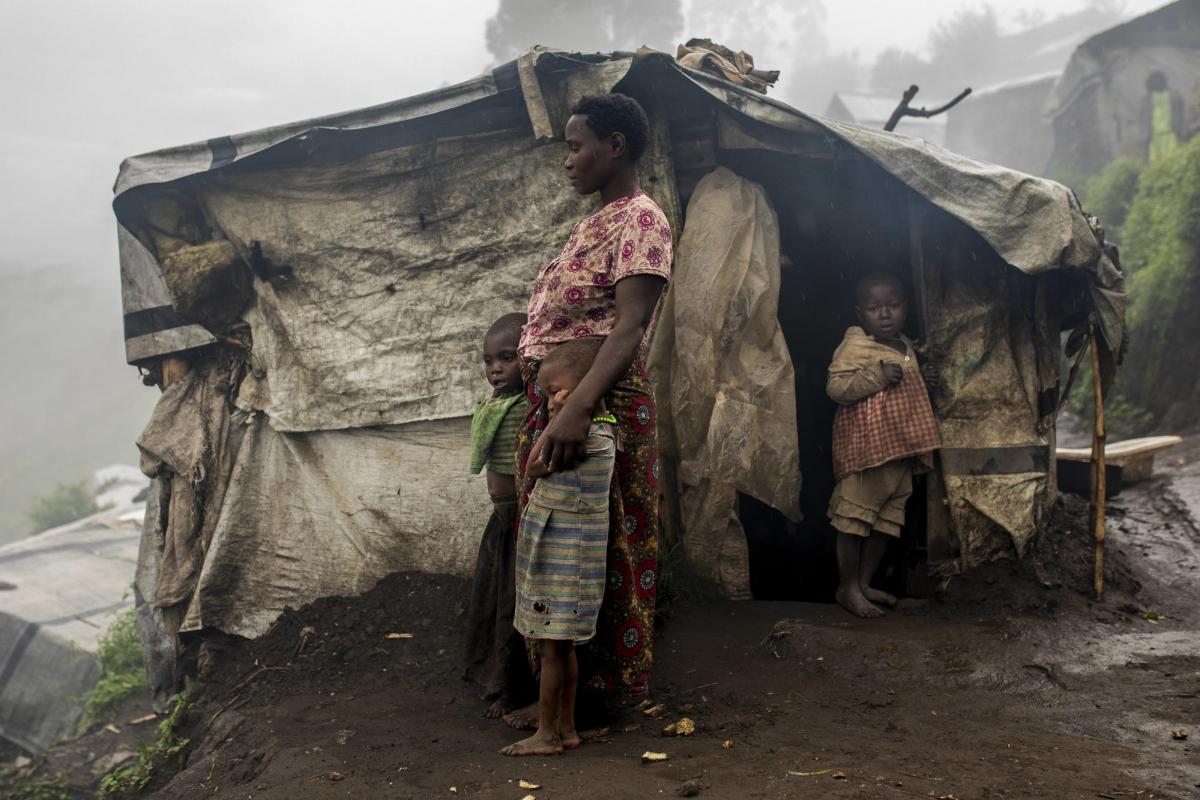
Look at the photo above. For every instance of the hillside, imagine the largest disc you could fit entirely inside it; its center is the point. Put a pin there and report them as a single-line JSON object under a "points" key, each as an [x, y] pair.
{"points": [[72, 405]]}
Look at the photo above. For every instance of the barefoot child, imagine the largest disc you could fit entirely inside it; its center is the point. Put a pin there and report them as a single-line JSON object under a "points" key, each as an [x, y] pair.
{"points": [[883, 430], [562, 553], [495, 653]]}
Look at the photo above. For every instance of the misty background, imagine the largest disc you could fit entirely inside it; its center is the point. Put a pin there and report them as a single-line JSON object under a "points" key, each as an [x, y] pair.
{"points": [[87, 84]]}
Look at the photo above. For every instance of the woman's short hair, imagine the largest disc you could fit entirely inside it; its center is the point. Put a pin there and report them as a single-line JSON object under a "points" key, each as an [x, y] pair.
{"points": [[607, 114]]}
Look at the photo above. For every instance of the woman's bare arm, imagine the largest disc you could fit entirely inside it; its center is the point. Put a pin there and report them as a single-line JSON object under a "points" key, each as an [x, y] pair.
{"points": [[561, 444]]}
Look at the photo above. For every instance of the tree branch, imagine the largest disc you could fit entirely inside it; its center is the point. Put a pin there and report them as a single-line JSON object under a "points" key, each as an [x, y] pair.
{"points": [[904, 110]]}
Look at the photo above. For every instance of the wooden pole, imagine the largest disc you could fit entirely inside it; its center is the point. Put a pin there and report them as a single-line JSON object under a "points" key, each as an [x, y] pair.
{"points": [[1099, 488]]}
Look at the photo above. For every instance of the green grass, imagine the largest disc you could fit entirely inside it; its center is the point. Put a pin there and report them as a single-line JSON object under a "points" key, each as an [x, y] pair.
{"points": [[122, 671], [167, 749], [40, 787]]}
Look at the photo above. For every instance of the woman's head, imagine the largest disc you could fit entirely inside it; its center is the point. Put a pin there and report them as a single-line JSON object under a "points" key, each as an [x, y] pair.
{"points": [[605, 135], [501, 364]]}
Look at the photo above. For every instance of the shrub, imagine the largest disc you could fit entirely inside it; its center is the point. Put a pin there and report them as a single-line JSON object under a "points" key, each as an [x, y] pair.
{"points": [[122, 671], [66, 503], [1109, 194], [1161, 254]]}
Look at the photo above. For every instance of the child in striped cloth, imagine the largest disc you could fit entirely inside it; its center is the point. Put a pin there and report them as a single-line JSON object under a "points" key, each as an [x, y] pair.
{"points": [[883, 431], [562, 546]]}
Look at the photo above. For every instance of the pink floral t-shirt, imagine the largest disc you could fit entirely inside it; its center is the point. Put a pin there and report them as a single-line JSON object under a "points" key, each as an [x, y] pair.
{"points": [[575, 295]]}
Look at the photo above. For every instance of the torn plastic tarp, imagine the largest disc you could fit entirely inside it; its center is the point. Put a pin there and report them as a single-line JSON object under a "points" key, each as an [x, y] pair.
{"points": [[726, 385]]}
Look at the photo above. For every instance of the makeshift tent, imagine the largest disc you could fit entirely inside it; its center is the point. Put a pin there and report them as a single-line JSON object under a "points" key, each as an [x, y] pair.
{"points": [[1101, 108], [59, 591], [359, 258]]}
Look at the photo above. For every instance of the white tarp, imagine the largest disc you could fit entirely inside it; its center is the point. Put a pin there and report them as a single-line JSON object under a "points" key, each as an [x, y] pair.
{"points": [[726, 386], [331, 512]]}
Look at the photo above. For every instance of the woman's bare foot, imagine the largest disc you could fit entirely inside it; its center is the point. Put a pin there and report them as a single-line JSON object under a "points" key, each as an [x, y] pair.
{"points": [[879, 597], [497, 710], [523, 719], [852, 599], [540, 744]]}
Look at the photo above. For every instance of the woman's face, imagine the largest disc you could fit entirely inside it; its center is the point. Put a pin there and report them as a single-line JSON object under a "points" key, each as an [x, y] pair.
{"points": [[591, 161]]}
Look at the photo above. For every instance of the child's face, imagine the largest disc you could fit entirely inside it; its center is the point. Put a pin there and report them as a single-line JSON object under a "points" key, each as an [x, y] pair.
{"points": [[556, 386], [882, 310], [501, 364]]}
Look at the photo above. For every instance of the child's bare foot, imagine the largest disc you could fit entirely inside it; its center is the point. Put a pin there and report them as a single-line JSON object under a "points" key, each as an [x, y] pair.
{"points": [[497, 710], [852, 599], [570, 739], [523, 719], [879, 597], [540, 744]]}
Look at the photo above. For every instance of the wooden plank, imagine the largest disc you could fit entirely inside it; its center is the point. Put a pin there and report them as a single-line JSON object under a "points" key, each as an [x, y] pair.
{"points": [[939, 534]]}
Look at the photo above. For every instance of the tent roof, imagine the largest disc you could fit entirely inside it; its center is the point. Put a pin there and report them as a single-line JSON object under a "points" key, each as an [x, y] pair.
{"points": [[1033, 223]]}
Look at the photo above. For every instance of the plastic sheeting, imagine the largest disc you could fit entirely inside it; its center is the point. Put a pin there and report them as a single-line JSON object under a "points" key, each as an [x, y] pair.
{"points": [[996, 339], [725, 378], [330, 513], [58, 593], [397, 263]]}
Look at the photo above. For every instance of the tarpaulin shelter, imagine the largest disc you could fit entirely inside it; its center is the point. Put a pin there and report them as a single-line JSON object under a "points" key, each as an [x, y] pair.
{"points": [[358, 259], [1102, 106], [59, 591]]}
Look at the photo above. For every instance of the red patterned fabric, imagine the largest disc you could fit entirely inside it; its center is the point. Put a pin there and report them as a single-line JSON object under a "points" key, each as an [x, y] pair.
{"points": [[575, 295], [889, 425]]}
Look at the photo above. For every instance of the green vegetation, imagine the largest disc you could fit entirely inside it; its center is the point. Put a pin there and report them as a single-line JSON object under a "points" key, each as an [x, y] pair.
{"points": [[122, 671], [40, 787], [168, 748], [67, 503], [1109, 194], [1161, 255]]}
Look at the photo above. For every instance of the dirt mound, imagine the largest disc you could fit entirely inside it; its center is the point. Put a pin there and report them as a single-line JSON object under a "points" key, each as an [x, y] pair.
{"points": [[408, 627], [1062, 557]]}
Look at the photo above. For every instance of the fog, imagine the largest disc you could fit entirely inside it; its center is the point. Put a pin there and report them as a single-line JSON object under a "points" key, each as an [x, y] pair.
{"points": [[86, 84]]}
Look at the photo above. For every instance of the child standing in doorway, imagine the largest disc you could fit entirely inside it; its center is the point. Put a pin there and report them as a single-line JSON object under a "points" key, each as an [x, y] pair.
{"points": [[562, 550], [495, 653], [883, 431]]}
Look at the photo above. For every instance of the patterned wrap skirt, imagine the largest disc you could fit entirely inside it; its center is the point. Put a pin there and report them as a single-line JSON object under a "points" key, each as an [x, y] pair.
{"points": [[617, 662]]}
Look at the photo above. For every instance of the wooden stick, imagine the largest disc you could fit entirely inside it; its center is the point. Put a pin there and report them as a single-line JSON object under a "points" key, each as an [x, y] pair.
{"points": [[903, 109], [1099, 487]]}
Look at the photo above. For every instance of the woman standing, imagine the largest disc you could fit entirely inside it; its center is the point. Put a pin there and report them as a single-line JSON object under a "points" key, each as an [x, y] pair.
{"points": [[606, 282]]}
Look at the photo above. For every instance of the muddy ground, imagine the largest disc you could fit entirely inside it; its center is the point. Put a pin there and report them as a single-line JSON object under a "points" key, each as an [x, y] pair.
{"points": [[1017, 685]]}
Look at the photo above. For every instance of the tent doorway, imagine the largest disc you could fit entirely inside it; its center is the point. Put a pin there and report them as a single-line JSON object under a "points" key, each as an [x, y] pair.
{"points": [[839, 219]]}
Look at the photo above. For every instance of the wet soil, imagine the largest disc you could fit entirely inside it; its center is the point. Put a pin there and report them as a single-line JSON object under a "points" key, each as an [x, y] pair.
{"points": [[1017, 685]]}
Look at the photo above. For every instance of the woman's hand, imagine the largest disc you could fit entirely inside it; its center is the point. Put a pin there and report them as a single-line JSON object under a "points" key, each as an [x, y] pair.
{"points": [[561, 444]]}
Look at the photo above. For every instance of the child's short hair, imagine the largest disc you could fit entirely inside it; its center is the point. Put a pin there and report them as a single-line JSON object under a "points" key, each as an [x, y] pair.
{"points": [[878, 279], [574, 356], [508, 325]]}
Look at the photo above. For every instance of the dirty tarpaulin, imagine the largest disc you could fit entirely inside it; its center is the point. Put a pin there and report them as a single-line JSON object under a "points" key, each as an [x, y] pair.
{"points": [[187, 443], [725, 378]]}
